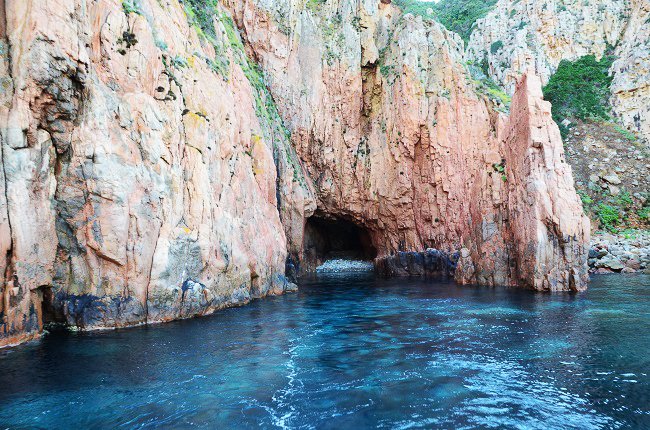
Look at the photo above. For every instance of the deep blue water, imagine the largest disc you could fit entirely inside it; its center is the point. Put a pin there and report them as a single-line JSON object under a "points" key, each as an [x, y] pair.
{"points": [[354, 352]]}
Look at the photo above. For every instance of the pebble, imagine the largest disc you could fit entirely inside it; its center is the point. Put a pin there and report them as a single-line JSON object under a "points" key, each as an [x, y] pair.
{"points": [[338, 265], [616, 253]]}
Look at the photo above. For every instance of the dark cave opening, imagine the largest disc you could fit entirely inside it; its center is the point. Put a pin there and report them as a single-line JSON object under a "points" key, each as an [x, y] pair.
{"points": [[52, 317], [328, 238]]}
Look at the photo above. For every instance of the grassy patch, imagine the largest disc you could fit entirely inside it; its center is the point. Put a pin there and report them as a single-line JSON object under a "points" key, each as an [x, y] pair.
{"points": [[609, 216], [416, 7], [626, 134], [131, 6], [614, 213], [644, 213], [456, 15], [314, 5], [580, 89], [485, 85], [201, 16]]}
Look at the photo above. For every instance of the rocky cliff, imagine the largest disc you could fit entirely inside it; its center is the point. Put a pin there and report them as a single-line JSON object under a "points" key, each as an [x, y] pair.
{"points": [[142, 181], [160, 159], [518, 34], [391, 129]]}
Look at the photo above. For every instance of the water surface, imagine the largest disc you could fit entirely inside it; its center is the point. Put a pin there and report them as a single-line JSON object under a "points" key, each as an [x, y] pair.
{"points": [[354, 352]]}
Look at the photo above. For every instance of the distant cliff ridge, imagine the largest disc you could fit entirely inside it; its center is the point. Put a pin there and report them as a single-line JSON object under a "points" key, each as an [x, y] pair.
{"points": [[518, 34]]}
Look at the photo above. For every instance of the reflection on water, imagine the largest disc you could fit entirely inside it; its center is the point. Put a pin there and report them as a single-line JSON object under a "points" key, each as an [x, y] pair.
{"points": [[354, 352]]}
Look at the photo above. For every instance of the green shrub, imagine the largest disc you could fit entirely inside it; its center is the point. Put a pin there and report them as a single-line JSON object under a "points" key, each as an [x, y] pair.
{"points": [[200, 14], [416, 7], [461, 15], [456, 15], [586, 200], [624, 199], [496, 46], [131, 6], [608, 216], [580, 89], [629, 233], [313, 5], [627, 135], [644, 213], [487, 86]]}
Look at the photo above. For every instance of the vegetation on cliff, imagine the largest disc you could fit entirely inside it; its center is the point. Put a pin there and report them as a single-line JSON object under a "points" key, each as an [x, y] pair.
{"points": [[458, 16], [202, 15], [612, 195], [580, 89]]}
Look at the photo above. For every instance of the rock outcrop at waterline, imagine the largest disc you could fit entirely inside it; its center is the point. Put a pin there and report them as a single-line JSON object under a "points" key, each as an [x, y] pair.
{"points": [[549, 229], [147, 174], [138, 184]]}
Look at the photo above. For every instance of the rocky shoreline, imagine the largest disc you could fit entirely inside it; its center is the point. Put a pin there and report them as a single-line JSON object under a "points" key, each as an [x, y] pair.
{"points": [[610, 253]]}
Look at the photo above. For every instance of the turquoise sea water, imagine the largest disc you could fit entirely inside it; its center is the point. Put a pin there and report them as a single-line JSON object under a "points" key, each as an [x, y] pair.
{"points": [[354, 352]]}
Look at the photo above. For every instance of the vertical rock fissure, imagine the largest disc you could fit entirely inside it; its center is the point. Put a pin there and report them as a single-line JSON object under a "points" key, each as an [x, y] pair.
{"points": [[9, 255], [146, 294]]}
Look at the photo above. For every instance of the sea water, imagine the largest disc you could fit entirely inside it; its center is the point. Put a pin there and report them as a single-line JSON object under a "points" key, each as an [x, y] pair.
{"points": [[354, 351]]}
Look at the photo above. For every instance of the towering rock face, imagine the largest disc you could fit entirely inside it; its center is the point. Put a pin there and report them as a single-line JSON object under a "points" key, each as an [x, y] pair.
{"points": [[384, 115], [138, 184], [631, 84], [518, 34], [148, 175], [548, 227]]}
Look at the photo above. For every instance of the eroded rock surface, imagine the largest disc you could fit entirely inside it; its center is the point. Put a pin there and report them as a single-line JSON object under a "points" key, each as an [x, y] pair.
{"points": [[549, 229], [518, 34], [385, 117], [139, 184], [147, 174]]}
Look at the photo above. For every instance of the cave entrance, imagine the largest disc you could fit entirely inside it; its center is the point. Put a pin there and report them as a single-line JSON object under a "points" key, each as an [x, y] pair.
{"points": [[329, 239], [51, 317]]}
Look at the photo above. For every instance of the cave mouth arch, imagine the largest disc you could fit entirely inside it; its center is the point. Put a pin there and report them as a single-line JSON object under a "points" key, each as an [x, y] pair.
{"points": [[329, 238]]}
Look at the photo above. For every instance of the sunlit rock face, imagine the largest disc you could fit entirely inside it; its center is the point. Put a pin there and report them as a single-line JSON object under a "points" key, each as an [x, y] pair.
{"points": [[517, 35], [383, 113], [147, 174], [138, 185], [547, 226], [631, 84]]}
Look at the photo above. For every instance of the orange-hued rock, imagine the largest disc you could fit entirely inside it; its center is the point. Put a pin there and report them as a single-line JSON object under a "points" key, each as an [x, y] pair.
{"points": [[387, 120], [147, 174], [395, 144], [549, 230], [138, 183]]}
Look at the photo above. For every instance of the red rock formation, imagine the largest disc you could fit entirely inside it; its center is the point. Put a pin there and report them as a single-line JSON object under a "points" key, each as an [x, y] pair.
{"points": [[401, 144], [139, 180], [549, 230], [147, 176]]}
